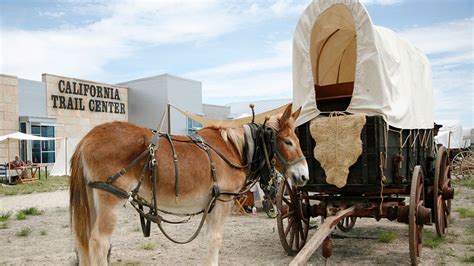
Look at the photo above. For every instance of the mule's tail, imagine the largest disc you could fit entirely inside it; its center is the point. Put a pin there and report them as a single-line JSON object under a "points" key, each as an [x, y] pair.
{"points": [[79, 209]]}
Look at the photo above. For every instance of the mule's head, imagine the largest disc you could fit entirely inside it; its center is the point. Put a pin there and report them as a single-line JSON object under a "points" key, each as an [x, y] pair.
{"points": [[290, 160]]}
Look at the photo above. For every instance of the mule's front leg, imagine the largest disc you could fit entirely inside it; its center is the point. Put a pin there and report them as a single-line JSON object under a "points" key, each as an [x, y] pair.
{"points": [[215, 228]]}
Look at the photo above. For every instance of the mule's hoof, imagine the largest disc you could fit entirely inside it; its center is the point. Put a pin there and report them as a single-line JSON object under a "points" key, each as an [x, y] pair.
{"points": [[108, 254]]}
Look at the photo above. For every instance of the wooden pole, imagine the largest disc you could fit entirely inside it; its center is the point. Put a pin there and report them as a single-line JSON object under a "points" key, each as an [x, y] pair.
{"points": [[8, 160], [169, 118], [65, 154], [317, 239]]}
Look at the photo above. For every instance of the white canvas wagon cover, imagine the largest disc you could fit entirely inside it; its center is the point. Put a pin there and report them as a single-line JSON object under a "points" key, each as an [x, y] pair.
{"points": [[336, 42]]}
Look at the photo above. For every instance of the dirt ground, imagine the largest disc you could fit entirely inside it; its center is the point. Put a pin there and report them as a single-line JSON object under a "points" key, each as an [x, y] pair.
{"points": [[247, 241]]}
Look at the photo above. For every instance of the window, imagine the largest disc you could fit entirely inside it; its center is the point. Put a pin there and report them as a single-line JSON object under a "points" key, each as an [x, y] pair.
{"points": [[193, 126], [43, 151]]}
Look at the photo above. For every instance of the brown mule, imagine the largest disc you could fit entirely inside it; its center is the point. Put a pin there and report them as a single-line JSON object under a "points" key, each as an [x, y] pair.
{"points": [[109, 147]]}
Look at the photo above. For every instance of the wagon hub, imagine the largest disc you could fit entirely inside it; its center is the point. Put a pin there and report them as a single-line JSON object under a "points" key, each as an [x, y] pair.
{"points": [[448, 193], [423, 216]]}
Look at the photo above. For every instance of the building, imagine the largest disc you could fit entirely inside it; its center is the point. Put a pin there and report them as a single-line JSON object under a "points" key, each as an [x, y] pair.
{"points": [[148, 98], [216, 111], [65, 107]]}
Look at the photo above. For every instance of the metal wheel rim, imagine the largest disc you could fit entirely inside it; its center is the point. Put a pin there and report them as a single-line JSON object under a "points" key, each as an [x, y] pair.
{"points": [[292, 225], [415, 238]]}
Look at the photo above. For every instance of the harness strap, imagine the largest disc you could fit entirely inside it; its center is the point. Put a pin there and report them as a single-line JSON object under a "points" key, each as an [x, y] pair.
{"points": [[120, 173], [215, 190], [198, 140], [145, 223], [286, 164], [110, 188]]}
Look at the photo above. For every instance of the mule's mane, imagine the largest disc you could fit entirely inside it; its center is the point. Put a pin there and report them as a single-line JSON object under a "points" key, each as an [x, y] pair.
{"points": [[236, 135]]}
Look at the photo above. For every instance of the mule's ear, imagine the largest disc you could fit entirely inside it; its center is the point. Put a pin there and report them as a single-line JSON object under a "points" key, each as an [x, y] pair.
{"points": [[287, 114], [296, 114]]}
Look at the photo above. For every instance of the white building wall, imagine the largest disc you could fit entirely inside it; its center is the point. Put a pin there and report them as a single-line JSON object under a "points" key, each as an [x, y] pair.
{"points": [[147, 100], [186, 94], [216, 111], [32, 98]]}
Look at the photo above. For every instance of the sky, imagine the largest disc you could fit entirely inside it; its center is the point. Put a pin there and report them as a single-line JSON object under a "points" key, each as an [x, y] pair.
{"points": [[240, 50]]}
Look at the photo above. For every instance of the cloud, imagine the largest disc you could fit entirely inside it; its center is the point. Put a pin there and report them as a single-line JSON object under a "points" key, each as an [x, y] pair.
{"points": [[448, 37], [280, 57], [123, 27], [449, 46], [53, 14], [266, 77]]}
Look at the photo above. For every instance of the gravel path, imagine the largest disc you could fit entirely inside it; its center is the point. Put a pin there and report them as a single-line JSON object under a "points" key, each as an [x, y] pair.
{"points": [[247, 240], [45, 200]]}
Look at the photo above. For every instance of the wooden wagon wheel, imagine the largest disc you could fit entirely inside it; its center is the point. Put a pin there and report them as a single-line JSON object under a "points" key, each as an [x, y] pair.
{"points": [[442, 192], [415, 226], [463, 164], [291, 222], [347, 224]]}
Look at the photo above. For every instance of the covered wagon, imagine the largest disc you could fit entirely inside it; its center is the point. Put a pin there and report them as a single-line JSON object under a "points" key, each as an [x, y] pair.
{"points": [[366, 129]]}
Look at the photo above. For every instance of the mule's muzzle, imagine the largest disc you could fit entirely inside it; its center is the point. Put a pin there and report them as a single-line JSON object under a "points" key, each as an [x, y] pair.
{"points": [[299, 180], [300, 174]]}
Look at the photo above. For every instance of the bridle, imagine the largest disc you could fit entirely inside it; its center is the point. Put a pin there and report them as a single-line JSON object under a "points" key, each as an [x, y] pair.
{"points": [[266, 154]]}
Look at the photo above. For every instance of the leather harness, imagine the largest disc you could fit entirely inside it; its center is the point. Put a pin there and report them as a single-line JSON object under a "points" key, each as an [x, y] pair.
{"points": [[261, 167]]}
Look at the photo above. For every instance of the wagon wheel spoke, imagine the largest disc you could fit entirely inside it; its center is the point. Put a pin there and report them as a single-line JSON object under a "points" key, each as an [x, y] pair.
{"points": [[286, 201], [291, 213], [297, 235], [288, 227], [303, 237], [292, 236]]}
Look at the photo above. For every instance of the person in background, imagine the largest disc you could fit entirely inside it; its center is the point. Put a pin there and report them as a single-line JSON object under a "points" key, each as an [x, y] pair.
{"points": [[16, 163]]}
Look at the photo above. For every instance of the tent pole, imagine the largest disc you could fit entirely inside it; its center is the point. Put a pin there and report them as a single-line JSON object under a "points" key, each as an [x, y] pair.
{"points": [[169, 119], [8, 159], [65, 153]]}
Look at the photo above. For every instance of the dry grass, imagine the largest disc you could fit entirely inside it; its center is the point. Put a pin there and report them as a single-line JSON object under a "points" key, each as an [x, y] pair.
{"points": [[53, 183], [24, 232]]}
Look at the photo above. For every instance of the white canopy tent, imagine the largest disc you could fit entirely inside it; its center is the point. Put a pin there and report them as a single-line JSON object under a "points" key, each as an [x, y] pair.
{"points": [[18, 136], [63, 157], [23, 136], [450, 134], [335, 42]]}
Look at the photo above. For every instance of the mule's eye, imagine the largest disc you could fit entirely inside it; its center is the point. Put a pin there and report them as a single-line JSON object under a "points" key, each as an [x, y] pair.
{"points": [[288, 142]]}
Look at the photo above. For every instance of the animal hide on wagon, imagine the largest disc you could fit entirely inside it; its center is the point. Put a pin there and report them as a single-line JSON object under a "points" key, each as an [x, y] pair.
{"points": [[338, 145]]}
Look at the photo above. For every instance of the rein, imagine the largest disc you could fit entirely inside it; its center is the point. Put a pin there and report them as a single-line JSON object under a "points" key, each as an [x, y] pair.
{"points": [[260, 167]]}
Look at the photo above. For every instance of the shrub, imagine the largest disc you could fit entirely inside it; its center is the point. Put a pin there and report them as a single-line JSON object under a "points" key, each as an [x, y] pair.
{"points": [[386, 237], [5, 216], [31, 211], [149, 246], [20, 216], [468, 259], [431, 240], [465, 212], [24, 232]]}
